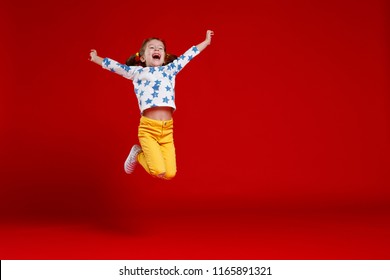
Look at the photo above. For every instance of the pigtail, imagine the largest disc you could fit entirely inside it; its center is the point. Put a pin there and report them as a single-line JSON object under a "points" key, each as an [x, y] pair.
{"points": [[169, 58], [135, 60]]}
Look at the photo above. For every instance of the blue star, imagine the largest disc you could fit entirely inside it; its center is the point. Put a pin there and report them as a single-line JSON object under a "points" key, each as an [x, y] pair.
{"points": [[112, 70], [147, 83], [156, 87], [155, 94], [152, 70], [195, 49], [148, 101], [139, 82], [106, 62], [179, 68], [158, 82], [141, 93], [168, 88], [124, 67], [140, 70], [190, 57], [161, 68], [170, 77], [182, 57], [154, 105], [165, 99], [165, 75], [172, 97]]}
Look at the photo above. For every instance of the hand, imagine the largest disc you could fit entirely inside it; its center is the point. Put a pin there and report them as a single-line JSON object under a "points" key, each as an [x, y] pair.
{"points": [[93, 55], [209, 34]]}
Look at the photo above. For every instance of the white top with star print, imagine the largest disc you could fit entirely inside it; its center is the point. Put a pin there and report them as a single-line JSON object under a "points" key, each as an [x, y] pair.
{"points": [[153, 86]]}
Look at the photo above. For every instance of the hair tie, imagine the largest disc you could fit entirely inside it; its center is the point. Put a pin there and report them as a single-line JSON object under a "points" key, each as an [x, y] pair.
{"points": [[137, 57]]}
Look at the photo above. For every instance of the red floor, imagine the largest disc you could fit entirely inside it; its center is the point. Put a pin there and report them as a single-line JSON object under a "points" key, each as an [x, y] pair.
{"points": [[210, 234]]}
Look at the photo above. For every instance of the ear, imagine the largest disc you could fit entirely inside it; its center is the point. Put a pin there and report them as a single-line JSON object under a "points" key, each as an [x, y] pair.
{"points": [[142, 59]]}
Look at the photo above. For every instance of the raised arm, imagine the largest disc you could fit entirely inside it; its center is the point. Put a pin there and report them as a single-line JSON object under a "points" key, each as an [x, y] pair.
{"points": [[206, 42], [95, 58]]}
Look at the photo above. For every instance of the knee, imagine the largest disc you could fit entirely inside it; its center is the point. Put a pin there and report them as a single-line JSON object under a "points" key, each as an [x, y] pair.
{"points": [[170, 175], [160, 176], [166, 175]]}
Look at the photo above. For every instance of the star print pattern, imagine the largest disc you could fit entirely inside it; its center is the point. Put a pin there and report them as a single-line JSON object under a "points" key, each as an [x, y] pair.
{"points": [[153, 86]]}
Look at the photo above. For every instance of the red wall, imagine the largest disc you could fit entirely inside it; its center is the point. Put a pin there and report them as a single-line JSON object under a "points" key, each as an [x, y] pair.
{"points": [[289, 107]]}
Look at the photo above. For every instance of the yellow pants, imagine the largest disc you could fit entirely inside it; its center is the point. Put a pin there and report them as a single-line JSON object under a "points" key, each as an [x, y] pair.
{"points": [[158, 155]]}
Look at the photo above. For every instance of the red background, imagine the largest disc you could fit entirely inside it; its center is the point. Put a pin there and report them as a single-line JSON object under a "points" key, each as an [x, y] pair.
{"points": [[282, 132]]}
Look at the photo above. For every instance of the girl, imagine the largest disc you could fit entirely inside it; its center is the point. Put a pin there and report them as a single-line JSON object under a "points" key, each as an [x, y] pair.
{"points": [[153, 72]]}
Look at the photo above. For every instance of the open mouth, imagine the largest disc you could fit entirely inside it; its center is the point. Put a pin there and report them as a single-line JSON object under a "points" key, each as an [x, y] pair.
{"points": [[156, 56]]}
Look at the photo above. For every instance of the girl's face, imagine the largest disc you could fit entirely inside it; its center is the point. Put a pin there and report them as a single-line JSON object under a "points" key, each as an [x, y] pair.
{"points": [[154, 54]]}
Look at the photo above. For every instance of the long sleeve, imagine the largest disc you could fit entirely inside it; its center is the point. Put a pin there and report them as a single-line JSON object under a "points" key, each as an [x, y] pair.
{"points": [[178, 64], [123, 70]]}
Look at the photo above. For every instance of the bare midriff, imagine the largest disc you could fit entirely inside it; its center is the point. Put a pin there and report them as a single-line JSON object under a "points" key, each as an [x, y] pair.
{"points": [[159, 113]]}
